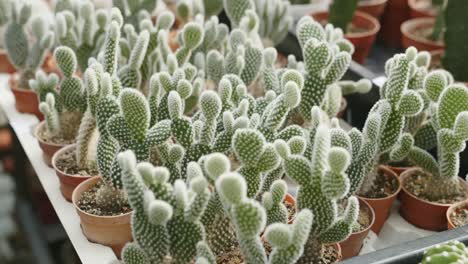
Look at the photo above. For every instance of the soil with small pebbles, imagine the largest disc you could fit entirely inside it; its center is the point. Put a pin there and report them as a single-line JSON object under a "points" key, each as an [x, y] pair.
{"points": [[87, 203]]}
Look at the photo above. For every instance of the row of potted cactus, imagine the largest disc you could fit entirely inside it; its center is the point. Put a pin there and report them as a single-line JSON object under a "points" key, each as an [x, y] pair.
{"points": [[183, 148]]}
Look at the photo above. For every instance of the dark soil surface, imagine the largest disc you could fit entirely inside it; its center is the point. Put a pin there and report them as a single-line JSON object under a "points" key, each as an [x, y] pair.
{"points": [[417, 186], [67, 164], [87, 203], [384, 186]]}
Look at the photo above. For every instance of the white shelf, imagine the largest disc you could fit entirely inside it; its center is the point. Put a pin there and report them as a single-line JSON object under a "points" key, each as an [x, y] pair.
{"points": [[23, 125]]}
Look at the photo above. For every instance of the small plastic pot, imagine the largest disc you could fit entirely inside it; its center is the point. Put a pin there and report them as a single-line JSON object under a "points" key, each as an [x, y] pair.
{"points": [[409, 38], [382, 206], [362, 41], [111, 231], [26, 100], [421, 213], [374, 8], [5, 64], [396, 12], [453, 208], [353, 244], [421, 8], [68, 182], [48, 148]]}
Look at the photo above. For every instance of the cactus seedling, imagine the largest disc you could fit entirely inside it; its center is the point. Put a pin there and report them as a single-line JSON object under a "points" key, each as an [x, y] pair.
{"points": [[26, 57]]}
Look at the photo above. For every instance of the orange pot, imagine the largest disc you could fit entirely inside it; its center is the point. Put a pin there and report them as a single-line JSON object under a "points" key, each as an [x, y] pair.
{"points": [[111, 231], [423, 214], [48, 149], [68, 182], [409, 38], [374, 8], [362, 41], [26, 100], [290, 199], [421, 8], [5, 64], [453, 208], [382, 206], [396, 12], [353, 244]]}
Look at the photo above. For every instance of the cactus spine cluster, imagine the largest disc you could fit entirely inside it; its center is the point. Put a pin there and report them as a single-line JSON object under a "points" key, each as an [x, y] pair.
{"points": [[449, 252], [25, 56]]}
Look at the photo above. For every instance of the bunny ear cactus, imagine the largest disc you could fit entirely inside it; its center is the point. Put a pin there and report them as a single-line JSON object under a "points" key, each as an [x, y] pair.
{"points": [[451, 122], [26, 58], [130, 74], [256, 157], [191, 38], [322, 183], [327, 56], [166, 220], [450, 252], [131, 9], [272, 201], [235, 10], [274, 20]]}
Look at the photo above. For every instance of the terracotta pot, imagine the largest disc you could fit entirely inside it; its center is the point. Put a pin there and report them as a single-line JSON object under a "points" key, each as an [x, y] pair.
{"points": [[382, 206], [290, 199], [409, 38], [421, 8], [111, 231], [68, 182], [26, 100], [353, 244], [453, 208], [396, 12], [421, 213], [398, 170], [5, 64], [374, 8], [362, 41], [6, 139], [48, 148], [339, 252]]}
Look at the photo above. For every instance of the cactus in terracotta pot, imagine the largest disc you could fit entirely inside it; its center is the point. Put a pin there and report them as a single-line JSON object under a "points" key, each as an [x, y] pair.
{"points": [[449, 252], [322, 183], [450, 122], [26, 55], [165, 218]]}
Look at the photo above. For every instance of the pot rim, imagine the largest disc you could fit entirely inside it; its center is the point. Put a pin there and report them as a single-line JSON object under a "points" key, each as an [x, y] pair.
{"points": [[60, 152], [405, 175], [371, 3], [408, 26], [390, 173], [40, 126], [412, 6], [454, 207], [75, 199], [375, 25], [372, 217]]}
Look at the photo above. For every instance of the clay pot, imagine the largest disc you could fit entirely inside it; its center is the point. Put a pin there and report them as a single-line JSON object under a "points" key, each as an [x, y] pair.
{"points": [[453, 208], [409, 38], [362, 41], [48, 148], [421, 213], [374, 8], [5, 64], [396, 12], [382, 206], [398, 170], [111, 231], [26, 100], [353, 244], [421, 8], [68, 182]]}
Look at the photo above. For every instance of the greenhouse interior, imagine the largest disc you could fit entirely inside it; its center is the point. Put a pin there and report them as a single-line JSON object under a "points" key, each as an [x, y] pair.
{"points": [[233, 131]]}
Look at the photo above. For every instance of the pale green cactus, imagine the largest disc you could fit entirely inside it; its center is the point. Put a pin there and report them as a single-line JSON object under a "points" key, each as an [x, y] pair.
{"points": [[165, 221], [255, 156], [323, 182], [26, 56], [212, 8], [274, 20], [272, 201], [327, 56], [130, 74], [134, 10], [235, 10], [450, 122], [191, 37], [446, 253]]}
